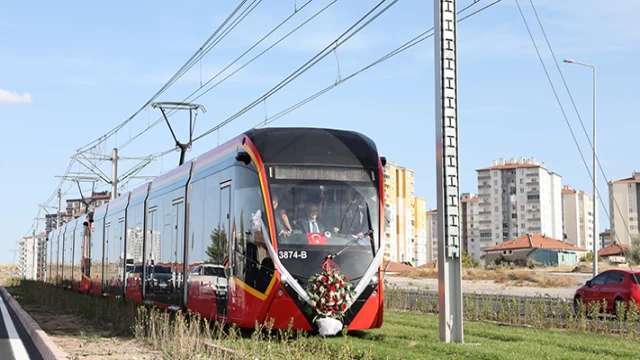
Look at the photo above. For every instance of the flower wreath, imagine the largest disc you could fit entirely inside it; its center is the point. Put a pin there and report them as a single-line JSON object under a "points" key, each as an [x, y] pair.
{"points": [[330, 292]]}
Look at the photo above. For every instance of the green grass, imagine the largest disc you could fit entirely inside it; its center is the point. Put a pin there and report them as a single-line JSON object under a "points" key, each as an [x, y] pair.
{"points": [[404, 335], [416, 336]]}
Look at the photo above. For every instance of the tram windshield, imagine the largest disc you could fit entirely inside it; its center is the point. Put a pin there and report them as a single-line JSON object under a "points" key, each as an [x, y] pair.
{"points": [[315, 218]]}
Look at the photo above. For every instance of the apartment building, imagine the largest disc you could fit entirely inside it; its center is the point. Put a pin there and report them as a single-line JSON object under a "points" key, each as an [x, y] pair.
{"points": [[518, 197], [605, 239], [405, 239], [432, 235], [623, 208], [470, 231], [577, 217], [51, 221], [33, 258], [77, 207], [420, 231]]}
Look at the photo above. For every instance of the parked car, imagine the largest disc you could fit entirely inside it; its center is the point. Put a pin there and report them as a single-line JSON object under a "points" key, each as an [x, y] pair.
{"points": [[614, 286]]}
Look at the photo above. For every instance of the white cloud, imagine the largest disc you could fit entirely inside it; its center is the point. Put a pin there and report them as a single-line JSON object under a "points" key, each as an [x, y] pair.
{"points": [[12, 97]]}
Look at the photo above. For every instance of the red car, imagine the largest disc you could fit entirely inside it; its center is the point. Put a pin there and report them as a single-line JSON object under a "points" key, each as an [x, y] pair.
{"points": [[617, 285]]}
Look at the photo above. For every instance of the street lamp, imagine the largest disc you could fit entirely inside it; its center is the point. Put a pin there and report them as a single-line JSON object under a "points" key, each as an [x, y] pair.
{"points": [[595, 194]]}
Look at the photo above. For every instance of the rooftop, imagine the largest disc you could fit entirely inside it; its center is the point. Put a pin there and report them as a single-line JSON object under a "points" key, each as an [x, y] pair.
{"points": [[613, 250], [392, 267], [635, 178], [534, 241], [514, 163]]}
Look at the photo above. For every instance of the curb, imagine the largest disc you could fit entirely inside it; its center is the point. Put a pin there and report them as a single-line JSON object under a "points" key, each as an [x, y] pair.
{"points": [[47, 348]]}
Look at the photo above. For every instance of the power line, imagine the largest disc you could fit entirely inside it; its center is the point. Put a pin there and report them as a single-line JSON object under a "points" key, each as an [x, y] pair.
{"points": [[188, 98], [577, 112], [626, 225], [406, 46], [344, 37], [201, 52]]}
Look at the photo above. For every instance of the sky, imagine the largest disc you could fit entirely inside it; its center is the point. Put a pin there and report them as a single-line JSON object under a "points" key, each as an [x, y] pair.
{"points": [[71, 71]]}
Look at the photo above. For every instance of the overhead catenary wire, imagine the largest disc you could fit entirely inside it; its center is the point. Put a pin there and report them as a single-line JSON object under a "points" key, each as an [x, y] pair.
{"points": [[363, 22], [576, 110], [209, 44], [406, 46], [203, 50], [189, 97], [337, 44], [615, 202]]}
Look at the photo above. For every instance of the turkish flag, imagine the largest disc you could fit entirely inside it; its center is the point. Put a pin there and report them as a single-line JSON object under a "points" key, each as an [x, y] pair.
{"points": [[316, 238]]}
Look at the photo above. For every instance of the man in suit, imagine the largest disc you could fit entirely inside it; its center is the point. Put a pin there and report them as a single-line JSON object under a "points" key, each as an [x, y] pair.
{"points": [[311, 224]]}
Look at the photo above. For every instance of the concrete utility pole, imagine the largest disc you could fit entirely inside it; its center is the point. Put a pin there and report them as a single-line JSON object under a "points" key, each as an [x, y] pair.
{"points": [[449, 249], [59, 218], [114, 174], [33, 265]]}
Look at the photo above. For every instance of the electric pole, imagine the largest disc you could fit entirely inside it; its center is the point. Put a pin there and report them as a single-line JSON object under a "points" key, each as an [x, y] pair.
{"points": [[448, 180], [114, 174], [59, 219], [33, 265]]}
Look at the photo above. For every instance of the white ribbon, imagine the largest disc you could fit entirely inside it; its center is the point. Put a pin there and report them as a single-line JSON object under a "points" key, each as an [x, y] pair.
{"points": [[258, 224], [366, 278], [286, 277]]}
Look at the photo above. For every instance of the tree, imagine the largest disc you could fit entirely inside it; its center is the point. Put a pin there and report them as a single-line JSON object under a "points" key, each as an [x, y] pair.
{"points": [[218, 249], [588, 257], [469, 261], [633, 256]]}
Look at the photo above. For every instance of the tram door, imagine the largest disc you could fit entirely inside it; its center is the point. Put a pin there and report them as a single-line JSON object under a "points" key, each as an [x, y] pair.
{"points": [[177, 251], [222, 297]]}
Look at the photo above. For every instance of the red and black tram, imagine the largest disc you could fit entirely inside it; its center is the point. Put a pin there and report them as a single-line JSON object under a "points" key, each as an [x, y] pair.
{"points": [[236, 233]]}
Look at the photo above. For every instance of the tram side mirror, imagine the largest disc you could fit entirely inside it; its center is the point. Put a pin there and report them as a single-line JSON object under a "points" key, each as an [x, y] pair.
{"points": [[244, 157], [383, 160]]}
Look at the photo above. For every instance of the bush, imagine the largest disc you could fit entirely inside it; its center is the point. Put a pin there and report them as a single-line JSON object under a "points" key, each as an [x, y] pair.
{"points": [[469, 261], [589, 258], [513, 264], [633, 255]]}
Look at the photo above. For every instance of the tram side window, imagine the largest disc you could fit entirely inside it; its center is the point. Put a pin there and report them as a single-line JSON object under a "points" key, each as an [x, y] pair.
{"points": [[196, 240], [208, 232], [97, 240], [252, 263]]}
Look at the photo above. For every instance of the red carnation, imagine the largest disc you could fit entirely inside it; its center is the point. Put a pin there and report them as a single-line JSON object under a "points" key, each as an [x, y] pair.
{"points": [[324, 279], [344, 306]]}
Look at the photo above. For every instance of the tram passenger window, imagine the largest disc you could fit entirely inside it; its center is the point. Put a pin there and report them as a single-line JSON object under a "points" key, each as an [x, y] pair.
{"points": [[248, 247]]}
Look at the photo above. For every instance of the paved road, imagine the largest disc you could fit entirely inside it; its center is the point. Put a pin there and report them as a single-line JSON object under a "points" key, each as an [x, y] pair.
{"points": [[15, 343]]}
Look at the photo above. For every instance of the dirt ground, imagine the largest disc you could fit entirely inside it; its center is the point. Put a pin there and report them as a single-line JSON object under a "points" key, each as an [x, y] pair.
{"points": [[489, 286], [86, 340]]}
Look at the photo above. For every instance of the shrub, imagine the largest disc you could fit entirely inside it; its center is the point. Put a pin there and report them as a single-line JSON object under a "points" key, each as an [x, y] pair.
{"points": [[469, 261], [588, 257]]}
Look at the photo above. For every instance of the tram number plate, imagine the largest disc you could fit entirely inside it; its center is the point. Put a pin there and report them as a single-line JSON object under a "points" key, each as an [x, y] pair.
{"points": [[292, 254]]}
